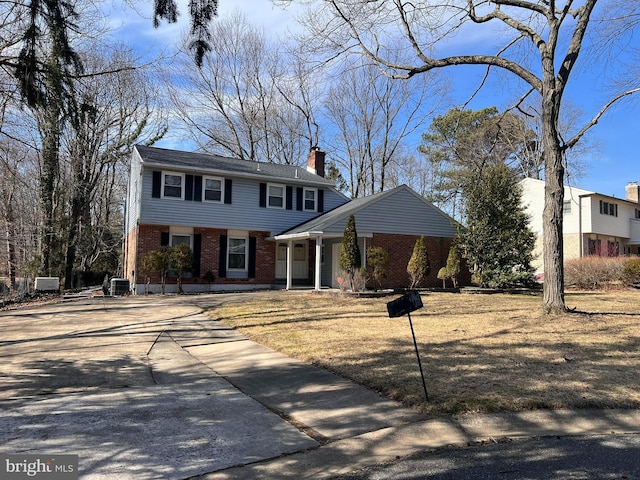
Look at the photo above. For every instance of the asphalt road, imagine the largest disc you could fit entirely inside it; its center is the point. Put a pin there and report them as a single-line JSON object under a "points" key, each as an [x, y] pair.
{"points": [[554, 458]]}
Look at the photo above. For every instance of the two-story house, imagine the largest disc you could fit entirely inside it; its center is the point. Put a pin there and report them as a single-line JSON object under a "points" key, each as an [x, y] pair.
{"points": [[254, 225], [593, 223]]}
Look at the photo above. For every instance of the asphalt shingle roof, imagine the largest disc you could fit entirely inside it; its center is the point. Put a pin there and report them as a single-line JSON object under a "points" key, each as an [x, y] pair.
{"points": [[204, 162]]}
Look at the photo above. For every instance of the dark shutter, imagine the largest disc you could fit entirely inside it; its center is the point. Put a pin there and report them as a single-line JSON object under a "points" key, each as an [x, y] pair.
{"points": [[252, 257], [227, 190], [197, 188], [222, 264], [188, 187], [299, 198], [289, 199], [197, 249], [263, 195], [164, 239], [156, 184], [320, 200]]}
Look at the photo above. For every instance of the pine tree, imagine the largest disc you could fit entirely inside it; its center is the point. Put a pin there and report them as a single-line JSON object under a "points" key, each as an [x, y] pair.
{"points": [[497, 242], [350, 260], [418, 267]]}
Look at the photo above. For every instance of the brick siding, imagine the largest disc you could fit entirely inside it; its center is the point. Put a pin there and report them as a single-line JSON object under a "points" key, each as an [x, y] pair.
{"points": [[149, 239], [400, 247]]}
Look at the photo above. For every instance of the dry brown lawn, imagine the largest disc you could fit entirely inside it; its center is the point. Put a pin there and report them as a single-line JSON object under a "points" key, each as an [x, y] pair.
{"points": [[480, 353]]}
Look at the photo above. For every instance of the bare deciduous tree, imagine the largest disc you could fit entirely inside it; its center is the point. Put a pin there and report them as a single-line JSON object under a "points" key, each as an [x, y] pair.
{"points": [[372, 116], [539, 42], [245, 101]]}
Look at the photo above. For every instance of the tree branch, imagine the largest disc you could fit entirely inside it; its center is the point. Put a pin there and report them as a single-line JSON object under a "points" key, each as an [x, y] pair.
{"points": [[599, 115]]}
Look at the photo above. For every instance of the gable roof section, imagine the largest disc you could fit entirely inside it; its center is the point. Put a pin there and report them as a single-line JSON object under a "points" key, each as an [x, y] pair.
{"points": [[396, 211], [214, 164]]}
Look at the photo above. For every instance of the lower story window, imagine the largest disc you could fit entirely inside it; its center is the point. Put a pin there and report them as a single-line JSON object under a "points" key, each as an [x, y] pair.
{"points": [[237, 251], [180, 239]]}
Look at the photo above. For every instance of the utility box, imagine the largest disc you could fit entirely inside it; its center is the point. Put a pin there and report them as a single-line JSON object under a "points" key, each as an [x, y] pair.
{"points": [[119, 286], [47, 284]]}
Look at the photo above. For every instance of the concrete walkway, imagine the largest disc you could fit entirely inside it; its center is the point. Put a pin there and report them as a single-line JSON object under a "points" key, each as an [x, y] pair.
{"points": [[150, 388]]}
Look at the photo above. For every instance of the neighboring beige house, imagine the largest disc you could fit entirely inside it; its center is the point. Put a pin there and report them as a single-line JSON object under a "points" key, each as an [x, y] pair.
{"points": [[594, 224]]}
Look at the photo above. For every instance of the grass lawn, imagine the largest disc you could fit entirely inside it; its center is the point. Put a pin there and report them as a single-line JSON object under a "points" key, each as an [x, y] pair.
{"points": [[480, 353]]}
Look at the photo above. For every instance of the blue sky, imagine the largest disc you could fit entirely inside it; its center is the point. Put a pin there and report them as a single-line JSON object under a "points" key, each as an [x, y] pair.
{"points": [[614, 163]]}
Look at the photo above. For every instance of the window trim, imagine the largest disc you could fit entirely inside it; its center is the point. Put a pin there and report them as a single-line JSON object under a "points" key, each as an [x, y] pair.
{"points": [[204, 189], [246, 253], [163, 185], [284, 196], [304, 199]]}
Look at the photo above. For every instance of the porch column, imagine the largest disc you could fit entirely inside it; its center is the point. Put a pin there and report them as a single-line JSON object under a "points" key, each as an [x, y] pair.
{"points": [[318, 262], [289, 265]]}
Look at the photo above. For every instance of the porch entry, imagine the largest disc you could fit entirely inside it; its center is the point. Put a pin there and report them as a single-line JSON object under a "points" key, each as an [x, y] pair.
{"points": [[300, 260]]}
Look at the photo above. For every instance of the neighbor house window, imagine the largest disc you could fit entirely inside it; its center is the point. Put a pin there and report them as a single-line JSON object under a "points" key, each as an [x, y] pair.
{"points": [[310, 195], [172, 185], [637, 214], [275, 196], [607, 208], [213, 189], [237, 253], [566, 207]]}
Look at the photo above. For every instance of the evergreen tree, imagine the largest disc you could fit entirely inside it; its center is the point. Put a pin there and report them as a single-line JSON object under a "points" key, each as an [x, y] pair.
{"points": [[418, 267], [350, 260], [451, 269], [497, 242], [378, 262]]}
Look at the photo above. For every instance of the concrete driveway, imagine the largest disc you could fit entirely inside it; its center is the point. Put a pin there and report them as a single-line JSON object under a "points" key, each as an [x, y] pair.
{"points": [[99, 378]]}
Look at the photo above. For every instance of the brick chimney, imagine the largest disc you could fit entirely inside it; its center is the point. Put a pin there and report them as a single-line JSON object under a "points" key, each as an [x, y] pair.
{"points": [[633, 192], [315, 161]]}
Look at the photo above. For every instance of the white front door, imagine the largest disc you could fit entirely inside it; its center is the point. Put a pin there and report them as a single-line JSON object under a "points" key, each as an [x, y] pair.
{"points": [[281, 260], [300, 257]]}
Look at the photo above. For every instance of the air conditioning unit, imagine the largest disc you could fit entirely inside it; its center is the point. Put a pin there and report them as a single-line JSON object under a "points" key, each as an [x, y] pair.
{"points": [[119, 286], [47, 284]]}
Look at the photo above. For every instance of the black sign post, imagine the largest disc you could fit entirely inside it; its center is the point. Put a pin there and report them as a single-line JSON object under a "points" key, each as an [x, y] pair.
{"points": [[404, 305]]}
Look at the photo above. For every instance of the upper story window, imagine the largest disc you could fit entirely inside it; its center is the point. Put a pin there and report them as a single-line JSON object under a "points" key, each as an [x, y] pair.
{"points": [[310, 198], [566, 207], [637, 214], [213, 189], [172, 185], [275, 196], [607, 208]]}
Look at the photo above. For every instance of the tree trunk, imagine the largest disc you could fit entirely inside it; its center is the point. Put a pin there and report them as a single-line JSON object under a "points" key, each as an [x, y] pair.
{"points": [[11, 249], [553, 293]]}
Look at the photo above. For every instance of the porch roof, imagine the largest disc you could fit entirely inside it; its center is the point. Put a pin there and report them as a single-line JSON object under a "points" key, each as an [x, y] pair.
{"points": [[380, 214]]}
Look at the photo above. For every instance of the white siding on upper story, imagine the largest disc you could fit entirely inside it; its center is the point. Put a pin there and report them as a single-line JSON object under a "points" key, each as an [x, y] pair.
{"points": [[589, 220], [635, 232], [244, 213], [615, 226], [533, 201]]}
